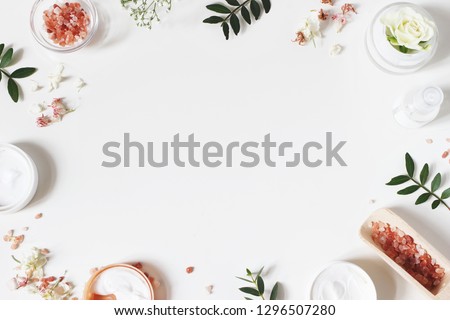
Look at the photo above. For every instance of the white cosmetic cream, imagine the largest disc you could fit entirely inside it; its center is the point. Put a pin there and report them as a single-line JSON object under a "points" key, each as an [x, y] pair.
{"points": [[343, 281], [123, 282], [18, 179]]}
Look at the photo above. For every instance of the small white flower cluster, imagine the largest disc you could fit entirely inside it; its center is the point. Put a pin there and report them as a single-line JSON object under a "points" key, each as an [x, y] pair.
{"points": [[31, 275], [54, 112]]}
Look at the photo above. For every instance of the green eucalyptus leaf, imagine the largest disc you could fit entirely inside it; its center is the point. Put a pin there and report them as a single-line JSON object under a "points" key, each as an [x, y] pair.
{"points": [[219, 8], [249, 273], [235, 24], [247, 298], [436, 183], [246, 15], [424, 174], [274, 293], [267, 5], [233, 3], [226, 30], [409, 162], [251, 291], [435, 204], [2, 46], [13, 90], [260, 284], [213, 20], [23, 73], [6, 59], [398, 180], [255, 8], [446, 194], [423, 198], [409, 190]]}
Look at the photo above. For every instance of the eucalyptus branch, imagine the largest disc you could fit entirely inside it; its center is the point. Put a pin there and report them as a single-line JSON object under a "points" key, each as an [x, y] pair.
{"points": [[259, 287], [231, 17], [6, 61], [421, 184]]}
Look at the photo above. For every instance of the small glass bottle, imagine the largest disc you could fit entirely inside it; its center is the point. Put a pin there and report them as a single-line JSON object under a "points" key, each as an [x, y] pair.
{"points": [[419, 108]]}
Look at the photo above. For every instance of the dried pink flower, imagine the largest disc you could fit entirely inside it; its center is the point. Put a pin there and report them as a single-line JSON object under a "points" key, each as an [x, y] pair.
{"points": [[330, 2], [43, 121], [300, 39], [347, 8], [323, 15]]}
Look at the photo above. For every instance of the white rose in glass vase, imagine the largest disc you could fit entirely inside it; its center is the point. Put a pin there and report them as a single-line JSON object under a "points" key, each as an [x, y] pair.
{"points": [[408, 31]]}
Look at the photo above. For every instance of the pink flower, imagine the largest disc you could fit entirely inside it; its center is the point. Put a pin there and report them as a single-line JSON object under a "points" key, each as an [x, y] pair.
{"points": [[347, 8], [301, 39], [43, 121]]}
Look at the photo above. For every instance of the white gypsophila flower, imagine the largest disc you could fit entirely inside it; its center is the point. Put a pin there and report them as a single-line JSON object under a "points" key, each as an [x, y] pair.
{"points": [[37, 108], [79, 84], [33, 265], [310, 27], [34, 86], [56, 78], [335, 50], [409, 29]]}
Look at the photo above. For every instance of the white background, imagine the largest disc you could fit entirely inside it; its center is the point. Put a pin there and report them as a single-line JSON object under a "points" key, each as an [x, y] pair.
{"points": [[183, 77]]}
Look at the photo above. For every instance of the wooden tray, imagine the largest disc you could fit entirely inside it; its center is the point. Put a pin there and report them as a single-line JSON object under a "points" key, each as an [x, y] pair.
{"points": [[387, 216]]}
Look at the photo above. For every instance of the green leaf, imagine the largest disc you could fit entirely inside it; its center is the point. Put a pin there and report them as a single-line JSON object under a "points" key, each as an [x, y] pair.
{"points": [[424, 174], [233, 3], [255, 8], [226, 30], [267, 5], [446, 194], [2, 46], [243, 279], [13, 90], [249, 273], [435, 204], [423, 198], [260, 284], [219, 8], [23, 73], [1, 74], [274, 293], [251, 291], [246, 15], [213, 20], [409, 165], [398, 180], [6, 59], [436, 183], [15, 259], [247, 298], [235, 25], [408, 190]]}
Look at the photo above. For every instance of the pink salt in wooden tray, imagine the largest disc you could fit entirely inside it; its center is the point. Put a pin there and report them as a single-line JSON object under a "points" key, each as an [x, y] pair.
{"points": [[387, 216]]}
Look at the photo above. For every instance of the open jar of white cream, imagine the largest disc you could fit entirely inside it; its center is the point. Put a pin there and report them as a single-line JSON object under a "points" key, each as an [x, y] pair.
{"points": [[18, 178], [118, 282]]}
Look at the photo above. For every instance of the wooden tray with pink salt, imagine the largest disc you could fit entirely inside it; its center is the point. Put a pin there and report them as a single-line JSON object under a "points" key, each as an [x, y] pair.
{"points": [[407, 252]]}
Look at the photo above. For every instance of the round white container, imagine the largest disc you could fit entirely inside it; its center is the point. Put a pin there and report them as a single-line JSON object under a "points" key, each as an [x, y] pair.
{"points": [[343, 280], [385, 56], [18, 179]]}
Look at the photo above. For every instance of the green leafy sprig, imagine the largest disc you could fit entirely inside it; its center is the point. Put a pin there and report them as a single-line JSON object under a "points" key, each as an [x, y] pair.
{"points": [[259, 288], [5, 61], [430, 192], [145, 12], [230, 14]]}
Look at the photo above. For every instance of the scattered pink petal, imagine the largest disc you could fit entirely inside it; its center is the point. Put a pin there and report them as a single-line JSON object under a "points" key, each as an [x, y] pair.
{"points": [[38, 216], [189, 270]]}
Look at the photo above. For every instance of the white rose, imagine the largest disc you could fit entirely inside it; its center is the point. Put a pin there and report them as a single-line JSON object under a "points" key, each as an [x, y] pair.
{"points": [[408, 28]]}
